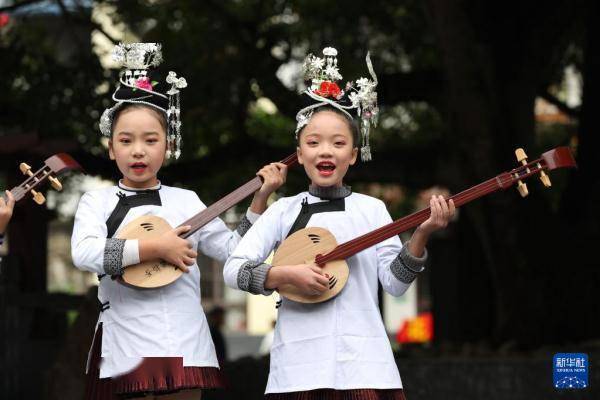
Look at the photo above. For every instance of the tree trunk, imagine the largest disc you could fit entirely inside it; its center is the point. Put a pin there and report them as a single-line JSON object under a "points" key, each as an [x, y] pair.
{"points": [[490, 92]]}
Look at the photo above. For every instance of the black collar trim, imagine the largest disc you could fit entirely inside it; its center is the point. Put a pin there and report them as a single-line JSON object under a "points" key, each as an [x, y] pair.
{"points": [[308, 210], [330, 192], [142, 198]]}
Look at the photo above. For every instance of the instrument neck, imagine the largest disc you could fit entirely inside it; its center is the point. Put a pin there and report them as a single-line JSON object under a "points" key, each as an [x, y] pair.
{"points": [[365, 241], [217, 208], [224, 204]]}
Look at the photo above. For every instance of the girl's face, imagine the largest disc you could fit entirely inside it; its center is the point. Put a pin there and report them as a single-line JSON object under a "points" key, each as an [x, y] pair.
{"points": [[138, 146], [326, 149]]}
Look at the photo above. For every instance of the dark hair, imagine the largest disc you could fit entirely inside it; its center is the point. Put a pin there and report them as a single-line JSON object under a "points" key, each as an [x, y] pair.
{"points": [[352, 124], [162, 118]]}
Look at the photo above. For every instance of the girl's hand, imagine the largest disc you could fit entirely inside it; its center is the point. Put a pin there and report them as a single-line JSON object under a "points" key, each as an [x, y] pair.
{"points": [[6, 210], [441, 213], [309, 278], [273, 176], [176, 250]]}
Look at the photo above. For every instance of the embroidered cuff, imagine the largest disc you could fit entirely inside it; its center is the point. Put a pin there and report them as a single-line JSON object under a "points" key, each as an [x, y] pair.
{"points": [[415, 264], [252, 276], [405, 267], [113, 256], [131, 252], [243, 226]]}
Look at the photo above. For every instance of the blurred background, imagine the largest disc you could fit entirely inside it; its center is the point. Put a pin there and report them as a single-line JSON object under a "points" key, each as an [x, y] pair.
{"points": [[463, 83]]}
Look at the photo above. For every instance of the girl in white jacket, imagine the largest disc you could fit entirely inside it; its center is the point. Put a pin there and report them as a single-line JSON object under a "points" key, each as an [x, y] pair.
{"points": [[337, 349], [151, 341]]}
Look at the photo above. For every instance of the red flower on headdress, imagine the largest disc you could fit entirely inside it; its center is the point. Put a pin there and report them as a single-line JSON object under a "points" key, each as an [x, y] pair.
{"points": [[328, 89], [143, 83]]}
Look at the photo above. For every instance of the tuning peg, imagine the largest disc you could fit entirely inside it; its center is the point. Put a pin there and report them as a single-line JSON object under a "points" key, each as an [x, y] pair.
{"points": [[522, 188], [543, 177], [25, 169], [55, 183], [522, 158], [38, 197]]}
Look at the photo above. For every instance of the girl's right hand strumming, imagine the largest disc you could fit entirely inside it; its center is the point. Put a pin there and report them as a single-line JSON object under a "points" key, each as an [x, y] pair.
{"points": [[171, 248], [309, 278]]}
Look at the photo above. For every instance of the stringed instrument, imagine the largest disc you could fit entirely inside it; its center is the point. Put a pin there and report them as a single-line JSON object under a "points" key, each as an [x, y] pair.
{"points": [[318, 245], [53, 166], [157, 273]]}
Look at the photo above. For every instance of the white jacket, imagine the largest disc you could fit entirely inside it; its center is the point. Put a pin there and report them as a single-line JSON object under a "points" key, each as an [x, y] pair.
{"points": [[163, 322], [342, 343]]}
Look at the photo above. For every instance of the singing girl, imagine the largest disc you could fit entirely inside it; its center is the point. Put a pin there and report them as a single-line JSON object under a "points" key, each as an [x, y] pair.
{"points": [[151, 342], [337, 349]]}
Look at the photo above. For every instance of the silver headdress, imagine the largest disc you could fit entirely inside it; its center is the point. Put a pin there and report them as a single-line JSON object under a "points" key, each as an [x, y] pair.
{"points": [[323, 73], [135, 87]]}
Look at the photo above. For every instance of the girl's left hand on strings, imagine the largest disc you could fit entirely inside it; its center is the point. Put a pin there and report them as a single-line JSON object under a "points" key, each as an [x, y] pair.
{"points": [[6, 210], [441, 213], [273, 176]]}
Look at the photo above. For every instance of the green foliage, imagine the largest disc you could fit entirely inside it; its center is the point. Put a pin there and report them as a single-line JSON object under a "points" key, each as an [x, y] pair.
{"points": [[49, 80], [272, 129], [231, 54]]}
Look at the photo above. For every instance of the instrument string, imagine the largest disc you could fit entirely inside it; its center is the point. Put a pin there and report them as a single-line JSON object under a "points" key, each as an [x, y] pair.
{"points": [[362, 242]]}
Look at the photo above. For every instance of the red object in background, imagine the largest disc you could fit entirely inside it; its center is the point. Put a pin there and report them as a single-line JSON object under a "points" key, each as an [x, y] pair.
{"points": [[416, 330], [4, 19]]}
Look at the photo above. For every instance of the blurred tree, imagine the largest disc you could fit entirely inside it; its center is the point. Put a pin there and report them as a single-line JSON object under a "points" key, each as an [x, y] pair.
{"points": [[496, 58], [47, 105]]}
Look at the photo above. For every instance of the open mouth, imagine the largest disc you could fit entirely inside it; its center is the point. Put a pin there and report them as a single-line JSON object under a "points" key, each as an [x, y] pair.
{"points": [[325, 168], [138, 167]]}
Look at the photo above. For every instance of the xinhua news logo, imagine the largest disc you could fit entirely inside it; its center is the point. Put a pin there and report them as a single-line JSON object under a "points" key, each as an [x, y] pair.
{"points": [[570, 370]]}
